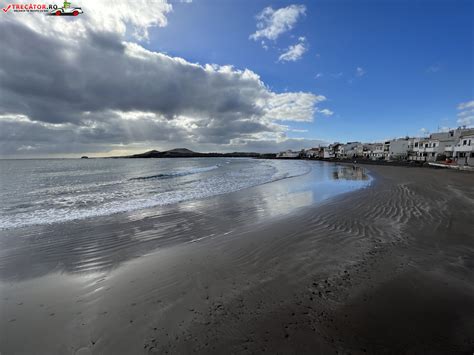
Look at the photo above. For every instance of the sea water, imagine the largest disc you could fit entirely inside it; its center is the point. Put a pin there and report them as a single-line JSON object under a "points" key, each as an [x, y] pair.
{"points": [[47, 191]]}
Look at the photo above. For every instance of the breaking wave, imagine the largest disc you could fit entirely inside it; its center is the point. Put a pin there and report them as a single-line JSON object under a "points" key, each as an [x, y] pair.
{"points": [[177, 173]]}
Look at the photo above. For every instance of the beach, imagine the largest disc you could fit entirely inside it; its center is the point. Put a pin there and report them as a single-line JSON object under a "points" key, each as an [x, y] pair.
{"points": [[381, 268]]}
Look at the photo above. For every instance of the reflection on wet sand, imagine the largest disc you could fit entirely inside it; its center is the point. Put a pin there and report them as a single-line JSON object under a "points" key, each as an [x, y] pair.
{"points": [[104, 243], [352, 172]]}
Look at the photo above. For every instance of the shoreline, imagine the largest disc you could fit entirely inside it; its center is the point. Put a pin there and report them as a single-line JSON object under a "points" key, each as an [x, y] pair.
{"points": [[383, 269], [156, 207]]}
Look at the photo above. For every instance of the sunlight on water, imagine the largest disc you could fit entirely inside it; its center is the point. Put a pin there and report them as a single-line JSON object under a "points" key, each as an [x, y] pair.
{"points": [[52, 191]]}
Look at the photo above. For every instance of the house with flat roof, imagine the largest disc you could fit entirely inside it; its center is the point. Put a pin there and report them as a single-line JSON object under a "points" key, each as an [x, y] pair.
{"points": [[398, 148], [314, 153], [329, 152], [288, 154], [349, 150], [463, 151], [438, 146]]}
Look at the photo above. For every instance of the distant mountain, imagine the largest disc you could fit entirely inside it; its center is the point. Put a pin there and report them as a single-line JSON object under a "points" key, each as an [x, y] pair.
{"points": [[186, 153], [180, 151]]}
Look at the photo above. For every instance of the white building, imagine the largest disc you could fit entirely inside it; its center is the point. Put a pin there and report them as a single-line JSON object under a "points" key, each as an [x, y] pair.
{"points": [[438, 146], [349, 150], [329, 152], [463, 151], [454, 144], [441, 143], [398, 148], [314, 153], [372, 151], [288, 154], [356, 150], [417, 151], [366, 149], [376, 152]]}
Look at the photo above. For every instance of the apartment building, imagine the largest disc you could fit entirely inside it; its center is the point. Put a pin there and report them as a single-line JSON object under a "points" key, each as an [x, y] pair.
{"points": [[463, 151]]}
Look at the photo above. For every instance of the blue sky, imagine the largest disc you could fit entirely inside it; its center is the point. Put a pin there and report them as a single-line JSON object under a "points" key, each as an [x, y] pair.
{"points": [[234, 75], [417, 58]]}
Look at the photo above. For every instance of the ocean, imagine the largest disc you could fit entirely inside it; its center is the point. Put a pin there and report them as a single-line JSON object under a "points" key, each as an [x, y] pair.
{"points": [[49, 191]]}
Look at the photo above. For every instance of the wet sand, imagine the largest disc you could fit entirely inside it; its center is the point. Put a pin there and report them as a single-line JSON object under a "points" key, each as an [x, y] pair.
{"points": [[386, 269]]}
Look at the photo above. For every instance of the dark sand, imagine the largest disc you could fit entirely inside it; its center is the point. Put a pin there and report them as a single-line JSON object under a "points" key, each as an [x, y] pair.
{"points": [[388, 269]]}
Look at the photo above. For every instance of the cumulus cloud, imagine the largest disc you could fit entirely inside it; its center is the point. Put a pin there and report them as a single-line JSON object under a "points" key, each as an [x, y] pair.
{"points": [[125, 19], [272, 23], [466, 121], [466, 114], [82, 84], [466, 105], [295, 52], [295, 106]]}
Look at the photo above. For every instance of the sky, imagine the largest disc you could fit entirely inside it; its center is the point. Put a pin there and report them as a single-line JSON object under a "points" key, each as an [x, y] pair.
{"points": [[126, 77]]}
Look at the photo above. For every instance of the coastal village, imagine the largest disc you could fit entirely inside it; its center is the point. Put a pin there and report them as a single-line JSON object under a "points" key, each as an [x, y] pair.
{"points": [[453, 148]]}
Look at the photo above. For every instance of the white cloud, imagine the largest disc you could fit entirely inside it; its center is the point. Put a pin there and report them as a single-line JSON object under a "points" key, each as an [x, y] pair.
{"points": [[26, 147], [319, 75], [142, 15], [466, 116], [360, 72], [98, 16], [326, 112], [272, 23], [465, 105], [466, 113], [296, 106], [295, 52], [466, 121]]}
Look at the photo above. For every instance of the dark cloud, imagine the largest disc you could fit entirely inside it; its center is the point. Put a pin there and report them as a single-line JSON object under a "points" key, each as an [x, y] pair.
{"points": [[64, 87], [59, 81]]}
